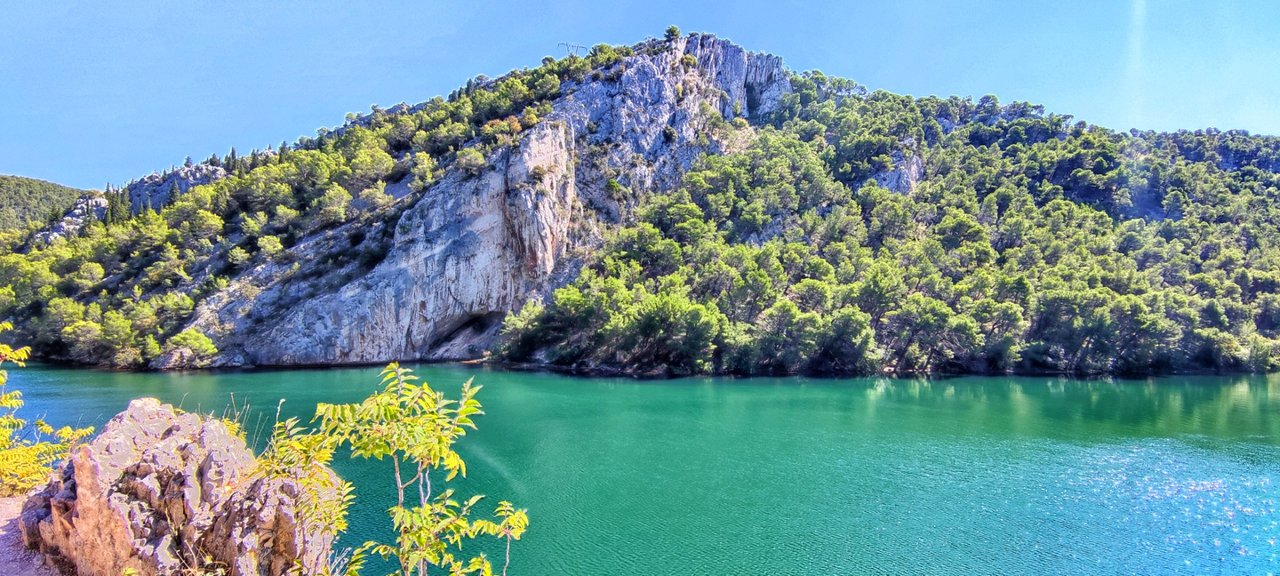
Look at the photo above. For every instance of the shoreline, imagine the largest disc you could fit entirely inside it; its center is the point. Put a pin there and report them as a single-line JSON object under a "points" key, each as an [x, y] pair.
{"points": [[600, 372]]}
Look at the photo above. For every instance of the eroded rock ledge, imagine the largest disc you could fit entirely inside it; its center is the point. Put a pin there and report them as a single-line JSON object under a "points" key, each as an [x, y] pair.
{"points": [[162, 492]]}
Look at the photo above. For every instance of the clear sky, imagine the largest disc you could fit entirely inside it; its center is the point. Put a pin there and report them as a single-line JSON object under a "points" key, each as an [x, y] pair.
{"points": [[94, 92]]}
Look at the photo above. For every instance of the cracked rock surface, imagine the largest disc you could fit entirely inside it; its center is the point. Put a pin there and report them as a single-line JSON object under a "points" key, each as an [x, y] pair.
{"points": [[160, 491]]}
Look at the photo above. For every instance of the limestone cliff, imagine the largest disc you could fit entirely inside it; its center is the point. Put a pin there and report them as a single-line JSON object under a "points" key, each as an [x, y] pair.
{"points": [[479, 244]]}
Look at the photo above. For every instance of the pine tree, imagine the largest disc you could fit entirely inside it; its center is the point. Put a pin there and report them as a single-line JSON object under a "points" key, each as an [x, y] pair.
{"points": [[119, 206], [109, 193], [172, 195]]}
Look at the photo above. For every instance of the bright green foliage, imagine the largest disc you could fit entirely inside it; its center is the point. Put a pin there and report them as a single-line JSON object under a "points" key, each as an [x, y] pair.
{"points": [[196, 342], [143, 254], [471, 160], [416, 428], [1014, 241], [374, 197], [423, 170], [26, 457], [331, 207], [296, 454], [269, 246], [238, 256], [511, 525]]}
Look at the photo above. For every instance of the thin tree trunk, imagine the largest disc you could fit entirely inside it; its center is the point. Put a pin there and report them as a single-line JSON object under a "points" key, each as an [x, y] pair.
{"points": [[508, 559]]}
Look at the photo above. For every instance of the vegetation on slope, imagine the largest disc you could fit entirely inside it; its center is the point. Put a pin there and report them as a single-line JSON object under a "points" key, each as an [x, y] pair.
{"points": [[861, 232], [122, 292], [26, 201], [1029, 243]]}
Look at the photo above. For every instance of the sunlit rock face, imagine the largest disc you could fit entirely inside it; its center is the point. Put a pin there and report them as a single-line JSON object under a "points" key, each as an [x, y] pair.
{"points": [[88, 208], [157, 190], [479, 244]]}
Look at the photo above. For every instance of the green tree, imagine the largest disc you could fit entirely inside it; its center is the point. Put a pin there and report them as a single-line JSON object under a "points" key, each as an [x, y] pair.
{"points": [[270, 246], [416, 428], [423, 171], [26, 457], [470, 160], [237, 256], [331, 207], [192, 341], [788, 338]]}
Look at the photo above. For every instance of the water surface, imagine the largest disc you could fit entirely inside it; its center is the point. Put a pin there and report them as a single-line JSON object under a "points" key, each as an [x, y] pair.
{"points": [[794, 476]]}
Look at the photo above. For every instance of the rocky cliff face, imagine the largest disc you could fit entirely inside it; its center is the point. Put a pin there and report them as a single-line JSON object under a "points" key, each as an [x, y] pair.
{"points": [[478, 245], [161, 492], [908, 170], [155, 189], [91, 206]]}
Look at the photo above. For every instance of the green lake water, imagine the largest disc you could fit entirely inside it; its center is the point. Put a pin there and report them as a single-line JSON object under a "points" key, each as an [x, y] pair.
{"points": [[811, 477]]}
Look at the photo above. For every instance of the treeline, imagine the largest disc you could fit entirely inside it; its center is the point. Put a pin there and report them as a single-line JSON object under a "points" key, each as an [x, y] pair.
{"points": [[1028, 243], [26, 202], [1012, 240]]}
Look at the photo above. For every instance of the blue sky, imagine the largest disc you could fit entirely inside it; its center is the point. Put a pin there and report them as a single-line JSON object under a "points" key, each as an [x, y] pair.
{"points": [[92, 92]]}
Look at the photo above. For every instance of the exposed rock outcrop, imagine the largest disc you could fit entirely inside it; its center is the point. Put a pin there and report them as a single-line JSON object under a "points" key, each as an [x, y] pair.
{"points": [[906, 172], [160, 492], [91, 206], [476, 246], [157, 190]]}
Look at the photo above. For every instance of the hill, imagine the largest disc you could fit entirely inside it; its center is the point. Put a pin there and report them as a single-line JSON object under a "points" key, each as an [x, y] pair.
{"points": [[683, 206], [27, 201]]}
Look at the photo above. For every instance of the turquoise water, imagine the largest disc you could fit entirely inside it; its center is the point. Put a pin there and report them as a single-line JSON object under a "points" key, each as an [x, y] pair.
{"points": [[793, 476]]}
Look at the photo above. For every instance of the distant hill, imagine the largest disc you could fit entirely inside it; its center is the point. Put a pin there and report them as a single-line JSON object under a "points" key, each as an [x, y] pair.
{"points": [[27, 200], [680, 206]]}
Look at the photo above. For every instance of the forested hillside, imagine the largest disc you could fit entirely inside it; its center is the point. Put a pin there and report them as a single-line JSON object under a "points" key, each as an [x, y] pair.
{"points": [[123, 291], [1022, 241], [835, 231], [26, 201]]}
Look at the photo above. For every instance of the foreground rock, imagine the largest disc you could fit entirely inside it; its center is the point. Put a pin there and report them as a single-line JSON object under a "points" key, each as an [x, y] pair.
{"points": [[162, 492]]}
